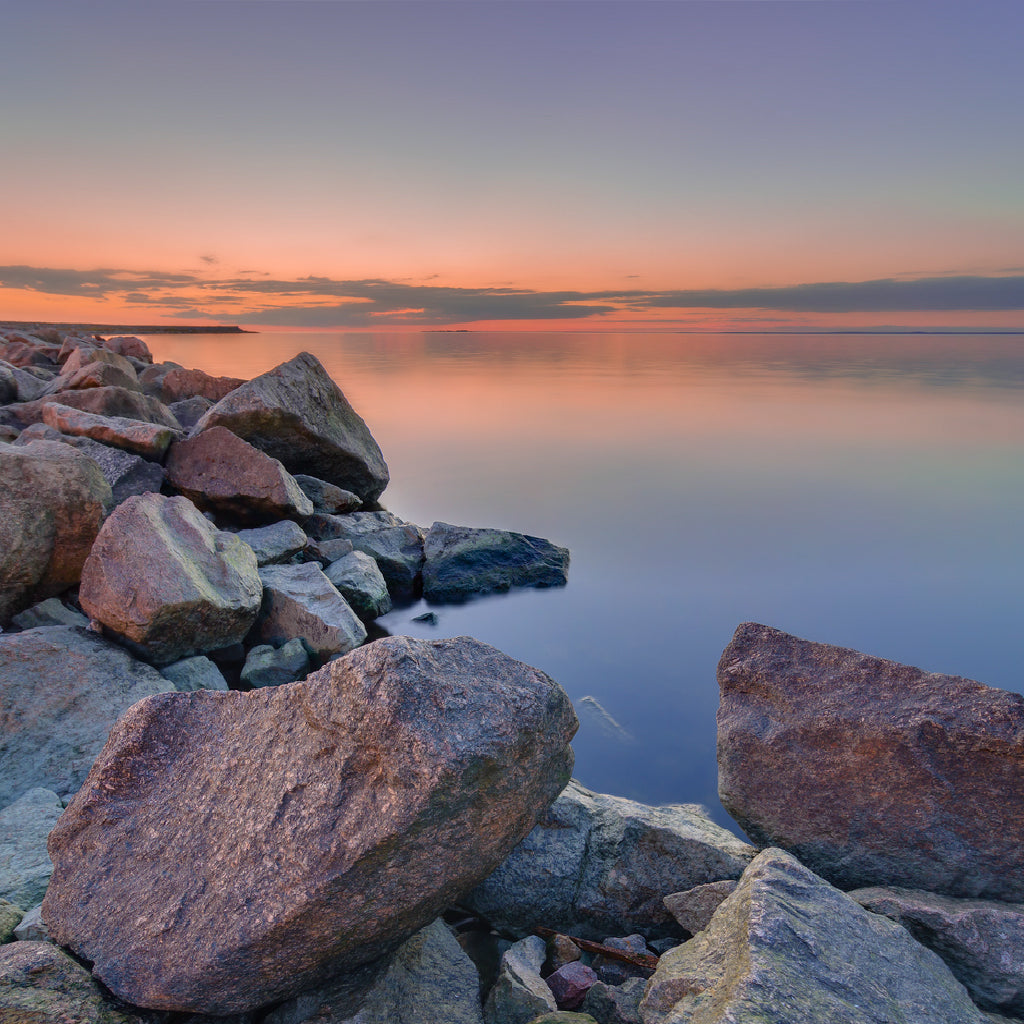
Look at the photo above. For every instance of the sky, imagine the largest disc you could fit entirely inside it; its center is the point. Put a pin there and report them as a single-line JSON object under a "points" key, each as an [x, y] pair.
{"points": [[513, 164]]}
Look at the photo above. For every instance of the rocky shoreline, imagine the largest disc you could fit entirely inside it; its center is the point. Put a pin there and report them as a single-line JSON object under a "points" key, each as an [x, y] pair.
{"points": [[226, 794]]}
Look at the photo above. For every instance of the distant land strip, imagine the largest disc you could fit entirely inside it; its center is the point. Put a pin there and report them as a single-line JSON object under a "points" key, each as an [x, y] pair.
{"points": [[28, 325]]}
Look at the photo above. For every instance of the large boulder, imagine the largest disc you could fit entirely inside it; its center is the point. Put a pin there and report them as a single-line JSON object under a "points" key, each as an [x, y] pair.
{"points": [[24, 865], [297, 414], [52, 505], [61, 689], [788, 948], [598, 864], [872, 772], [178, 384], [461, 561], [315, 826], [219, 471], [162, 578]]}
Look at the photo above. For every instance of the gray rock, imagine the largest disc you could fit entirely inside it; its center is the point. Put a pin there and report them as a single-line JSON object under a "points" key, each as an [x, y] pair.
{"points": [[189, 411], [126, 472], [61, 689], [326, 497], [430, 980], [265, 666], [275, 543], [460, 562], [297, 414], [22, 386], [327, 551], [32, 927], [616, 972], [788, 948], [97, 374], [694, 908], [354, 524], [25, 868], [300, 602], [151, 440], [872, 772], [982, 941], [596, 864], [49, 613], [165, 580], [615, 1004], [196, 673], [520, 994], [11, 916], [314, 826], [360, 582]]}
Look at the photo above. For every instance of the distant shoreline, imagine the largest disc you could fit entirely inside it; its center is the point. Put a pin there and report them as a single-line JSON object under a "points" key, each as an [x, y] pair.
{"points": [[28, 325]]}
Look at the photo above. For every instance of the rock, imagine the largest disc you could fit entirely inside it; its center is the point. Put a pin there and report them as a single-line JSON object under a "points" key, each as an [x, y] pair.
{"points": [[275, 543], [41, 984], [97, 375], [27, 350], [223, 473], [615, 1004], [596, 864], [616, 972], [196, 673], [561, 950], [164, 579], [149, 440], [398, 552], [189, 411], [94, 355], [461, 561], [872, 772], [354, 524], [563, 1017], [429, 980], [266, 666], [61, 689], [694, 908], [8, 384], [360, 582], [327, 551], [179, 383], [981, 941], [130, 347], [569, 984], [315, 826], [788, 948], [24, 866], [111, 402], [126, 472], [52, 505], [326, 497], [49, 613], [299, 601], [32, 927], [10, 917], [297, 414], [520, 994], [21, 386], [430, 618]]}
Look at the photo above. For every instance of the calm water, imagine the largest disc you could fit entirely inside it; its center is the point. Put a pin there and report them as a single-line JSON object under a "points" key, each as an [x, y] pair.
{"points": [[863, 491]]}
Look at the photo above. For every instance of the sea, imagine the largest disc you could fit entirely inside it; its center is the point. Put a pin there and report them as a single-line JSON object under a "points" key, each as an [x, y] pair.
{"points": [[860, 490]]}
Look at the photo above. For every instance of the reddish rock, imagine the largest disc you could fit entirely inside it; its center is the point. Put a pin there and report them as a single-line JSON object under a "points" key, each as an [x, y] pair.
{"points": [[179, 383], [314, 826], [97, 375], [88, 355], [107, 401], [126, 345], [220, 471], [569, 984], [149, 440], [869, 771]]}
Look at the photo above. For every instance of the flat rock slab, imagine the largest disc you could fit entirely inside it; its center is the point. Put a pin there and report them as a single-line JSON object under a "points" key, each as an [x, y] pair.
{"points": [[316, 825], [219, 471], [596, 864], [297, 414], [164, 579], [24, 865], [872, 772], [61, 690], [150, 440], [461, 561], [788, 948]]}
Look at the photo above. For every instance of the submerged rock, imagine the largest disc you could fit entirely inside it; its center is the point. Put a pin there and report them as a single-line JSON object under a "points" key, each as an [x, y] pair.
{"points": [[869, 771], [315, 827]]}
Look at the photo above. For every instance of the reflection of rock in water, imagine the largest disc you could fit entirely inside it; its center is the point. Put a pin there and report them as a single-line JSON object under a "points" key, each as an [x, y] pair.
{"points": [[590, 709]]}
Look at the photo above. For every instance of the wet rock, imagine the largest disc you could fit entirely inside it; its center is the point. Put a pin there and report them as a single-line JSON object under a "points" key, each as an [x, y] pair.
{"points": [[223, 473], [430, 618], [196, 673], [10, 917], [569, 984], [49, 613], [331, 819], [300, 602], [982, 941], [275, 543], [41, 984], [360, 582], [596, 864], [32, 927], [189, 411], [178, 384], [112, 402], [297, 414], [52, 505], [460, 562], [326, 497], [520, 994], [615, 1004], [788, 948], [61, 689], [869, 771], [265, 666], [164, 579], [694, 908], [150, 440], [24, 865]]}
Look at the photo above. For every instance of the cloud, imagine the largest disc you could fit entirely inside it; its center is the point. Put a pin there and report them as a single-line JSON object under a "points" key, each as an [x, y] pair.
{"points": [[210, 260], [88, 282]]}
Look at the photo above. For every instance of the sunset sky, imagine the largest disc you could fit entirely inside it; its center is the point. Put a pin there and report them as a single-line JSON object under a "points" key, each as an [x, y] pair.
{"points": [[700, 164]]}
